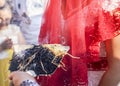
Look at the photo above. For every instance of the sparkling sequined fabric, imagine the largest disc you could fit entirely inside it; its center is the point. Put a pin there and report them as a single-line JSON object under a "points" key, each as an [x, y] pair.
{"points": [[29, 83], [83, 25]]}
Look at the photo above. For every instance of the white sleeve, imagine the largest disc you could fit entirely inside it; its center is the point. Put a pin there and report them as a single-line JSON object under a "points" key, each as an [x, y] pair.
{"points": [[20, 6]]}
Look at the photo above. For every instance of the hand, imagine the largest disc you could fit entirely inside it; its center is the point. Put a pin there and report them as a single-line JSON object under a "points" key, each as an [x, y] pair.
{"points": [[18, 77], [7, 44], [27, 20]]}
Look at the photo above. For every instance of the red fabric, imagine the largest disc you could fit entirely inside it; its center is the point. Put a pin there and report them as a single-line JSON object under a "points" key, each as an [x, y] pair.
{"points": [[82, 25]]}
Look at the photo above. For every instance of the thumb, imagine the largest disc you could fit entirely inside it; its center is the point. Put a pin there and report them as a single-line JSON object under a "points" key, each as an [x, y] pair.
{"points": [[11, 76]]}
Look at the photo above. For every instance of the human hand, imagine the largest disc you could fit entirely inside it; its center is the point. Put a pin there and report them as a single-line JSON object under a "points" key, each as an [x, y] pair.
{"points": [[18, 77], [7, 44], [27, 20]]}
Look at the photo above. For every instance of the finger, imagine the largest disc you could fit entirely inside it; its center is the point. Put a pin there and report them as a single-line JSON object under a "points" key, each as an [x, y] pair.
{"points": [[8, 41], [8, 46], [11, 76]]}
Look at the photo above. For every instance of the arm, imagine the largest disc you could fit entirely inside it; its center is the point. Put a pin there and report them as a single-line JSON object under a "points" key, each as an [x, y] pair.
{"points": [[112, 76], [113, 52], [21, 38]]}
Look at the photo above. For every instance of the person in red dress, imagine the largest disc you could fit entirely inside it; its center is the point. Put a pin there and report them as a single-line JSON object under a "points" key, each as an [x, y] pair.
{"points": [[83, 25]]}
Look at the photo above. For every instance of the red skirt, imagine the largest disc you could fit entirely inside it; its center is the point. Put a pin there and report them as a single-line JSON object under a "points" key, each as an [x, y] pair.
{"points": [[83, 26]]}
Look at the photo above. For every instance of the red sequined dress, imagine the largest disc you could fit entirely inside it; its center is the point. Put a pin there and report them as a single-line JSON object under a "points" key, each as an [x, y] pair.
{"points": [[83, 25]]}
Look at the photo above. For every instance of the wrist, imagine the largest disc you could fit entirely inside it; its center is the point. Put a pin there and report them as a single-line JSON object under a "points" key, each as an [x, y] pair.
{"points": [[29, 83]]}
